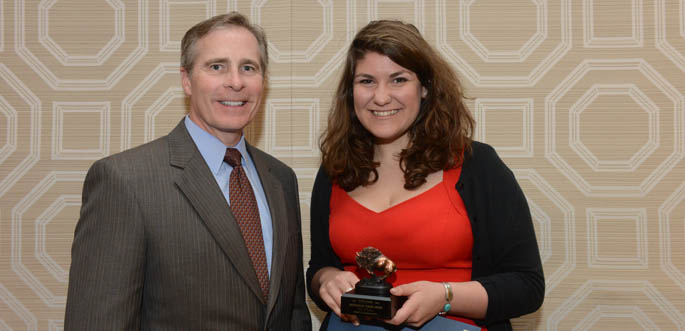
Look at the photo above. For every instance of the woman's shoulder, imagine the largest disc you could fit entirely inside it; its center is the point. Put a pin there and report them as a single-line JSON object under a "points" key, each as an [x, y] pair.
{"points": [[322, 175], [481, 149], [483, 161], [322, 181], [483, 155]]}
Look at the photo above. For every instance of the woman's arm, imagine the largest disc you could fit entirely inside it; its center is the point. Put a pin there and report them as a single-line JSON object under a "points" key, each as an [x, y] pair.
{"points": [[506, 256], [322, 255], [326, 279]]}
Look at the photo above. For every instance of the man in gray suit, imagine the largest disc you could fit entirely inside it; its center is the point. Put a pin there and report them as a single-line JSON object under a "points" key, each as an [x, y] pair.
{"points": [[160, 244]]}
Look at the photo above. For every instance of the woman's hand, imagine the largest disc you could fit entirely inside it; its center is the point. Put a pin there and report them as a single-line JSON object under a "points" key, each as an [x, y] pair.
{"points": [[424, 300], [332, 284]]}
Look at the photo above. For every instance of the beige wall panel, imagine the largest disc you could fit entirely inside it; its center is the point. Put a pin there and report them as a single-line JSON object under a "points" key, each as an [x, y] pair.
{"points": [[582, 99]]}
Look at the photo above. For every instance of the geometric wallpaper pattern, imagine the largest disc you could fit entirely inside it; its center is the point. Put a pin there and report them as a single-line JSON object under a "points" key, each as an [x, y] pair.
{"points": [[583, 99]]}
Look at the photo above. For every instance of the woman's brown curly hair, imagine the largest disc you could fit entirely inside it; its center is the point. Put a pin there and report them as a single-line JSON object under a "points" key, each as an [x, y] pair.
{"points": [[441, 133]]}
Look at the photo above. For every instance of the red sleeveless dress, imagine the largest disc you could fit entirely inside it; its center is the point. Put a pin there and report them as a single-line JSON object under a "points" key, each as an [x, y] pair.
{"points": [[428, 236]]}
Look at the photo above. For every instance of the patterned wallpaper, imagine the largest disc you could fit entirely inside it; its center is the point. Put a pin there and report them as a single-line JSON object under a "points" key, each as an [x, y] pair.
{"points": [[583, 99]]}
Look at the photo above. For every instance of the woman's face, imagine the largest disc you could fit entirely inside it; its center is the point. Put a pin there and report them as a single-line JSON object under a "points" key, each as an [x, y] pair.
{"points": [[387, 97]]}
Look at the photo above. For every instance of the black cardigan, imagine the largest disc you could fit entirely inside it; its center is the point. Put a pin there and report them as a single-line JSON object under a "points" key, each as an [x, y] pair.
{"points": [[506, 260]]}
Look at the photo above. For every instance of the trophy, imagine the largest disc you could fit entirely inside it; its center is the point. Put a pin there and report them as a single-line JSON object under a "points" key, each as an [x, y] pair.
{"points": [[371, 296]]}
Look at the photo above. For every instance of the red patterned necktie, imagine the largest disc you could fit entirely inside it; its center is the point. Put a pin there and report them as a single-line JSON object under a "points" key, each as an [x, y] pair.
{"points": [[246, 213]]}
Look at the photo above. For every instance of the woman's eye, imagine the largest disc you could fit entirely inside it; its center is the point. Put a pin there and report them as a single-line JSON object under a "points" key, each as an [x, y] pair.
{"points": [[365, 81], [400, 80]]}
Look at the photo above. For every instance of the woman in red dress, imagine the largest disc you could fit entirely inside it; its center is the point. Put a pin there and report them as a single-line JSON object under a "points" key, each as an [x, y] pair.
{"points": [[400, 172]]}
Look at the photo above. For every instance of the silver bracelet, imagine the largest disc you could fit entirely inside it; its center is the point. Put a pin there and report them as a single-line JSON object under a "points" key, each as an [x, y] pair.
{"points": [[448, 297]]}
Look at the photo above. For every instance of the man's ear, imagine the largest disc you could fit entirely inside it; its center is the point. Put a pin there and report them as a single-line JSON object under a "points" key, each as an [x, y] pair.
{"points": [[185, 82]]}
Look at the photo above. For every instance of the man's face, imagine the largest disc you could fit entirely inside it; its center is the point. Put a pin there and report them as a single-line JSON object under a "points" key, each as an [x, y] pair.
{"points": [[226, 84]]}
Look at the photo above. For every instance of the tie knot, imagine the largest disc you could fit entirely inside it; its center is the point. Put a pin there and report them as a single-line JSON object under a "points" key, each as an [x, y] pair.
{"points": [[232, 157]]}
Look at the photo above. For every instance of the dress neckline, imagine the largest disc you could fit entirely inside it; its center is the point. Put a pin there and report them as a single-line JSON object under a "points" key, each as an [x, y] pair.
{"points": [[390, 208]]}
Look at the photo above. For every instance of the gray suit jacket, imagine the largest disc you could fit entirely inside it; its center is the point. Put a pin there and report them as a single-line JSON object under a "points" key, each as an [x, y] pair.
{"points": [[157, 248]]}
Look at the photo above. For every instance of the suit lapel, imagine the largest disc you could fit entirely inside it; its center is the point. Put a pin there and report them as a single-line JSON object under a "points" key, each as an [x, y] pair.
{"points": [[198, 184], [277, 207]]}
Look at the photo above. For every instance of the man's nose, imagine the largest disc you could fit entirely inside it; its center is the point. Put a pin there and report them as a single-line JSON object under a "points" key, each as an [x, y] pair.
{"points": [[234, 80]]}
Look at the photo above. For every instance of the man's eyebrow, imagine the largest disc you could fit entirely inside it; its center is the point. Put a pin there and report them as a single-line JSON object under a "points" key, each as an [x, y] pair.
{"points": [[217, 60], [252, 62], [226, 61]]}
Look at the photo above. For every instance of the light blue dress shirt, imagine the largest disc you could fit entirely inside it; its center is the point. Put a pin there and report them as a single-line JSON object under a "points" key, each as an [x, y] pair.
{"points": [[213, 151]]}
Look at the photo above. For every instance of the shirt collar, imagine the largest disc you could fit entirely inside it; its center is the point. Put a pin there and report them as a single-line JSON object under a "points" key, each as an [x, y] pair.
{"points": [[210, 147]]}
